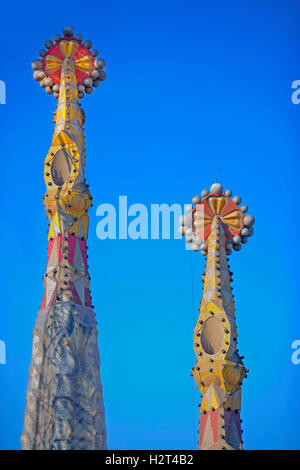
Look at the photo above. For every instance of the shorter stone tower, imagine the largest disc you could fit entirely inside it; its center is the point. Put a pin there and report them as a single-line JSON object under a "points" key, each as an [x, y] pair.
{"points": [[216, 224]]}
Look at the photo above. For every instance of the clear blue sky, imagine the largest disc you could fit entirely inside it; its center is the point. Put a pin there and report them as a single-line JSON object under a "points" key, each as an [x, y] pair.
{"points": [[194, 88]]}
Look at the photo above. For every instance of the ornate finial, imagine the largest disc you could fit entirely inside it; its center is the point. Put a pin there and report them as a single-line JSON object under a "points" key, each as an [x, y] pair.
{"points": [[89, 70], [196, 226]]}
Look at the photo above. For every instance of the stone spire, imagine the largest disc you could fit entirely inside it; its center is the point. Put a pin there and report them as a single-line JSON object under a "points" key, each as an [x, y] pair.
{"points": [[64, 404], [215, 226]]}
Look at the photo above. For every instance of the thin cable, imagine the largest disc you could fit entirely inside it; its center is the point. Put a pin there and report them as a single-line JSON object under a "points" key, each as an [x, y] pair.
{"points": [[194, 321]]}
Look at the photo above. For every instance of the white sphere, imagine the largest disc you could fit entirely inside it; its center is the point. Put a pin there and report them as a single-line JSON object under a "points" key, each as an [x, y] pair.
{"points": [[48, 81], [228, 193], [99, 64], [48, 44], [189, 239], [181, 230], [56, 95], [42, 74], [79, 37], [56, 88], [204, 192], [188, 232], [88, 44], [88, 82], [229, 246], [81, 87], [251, 232], [237, 247], [249, 220], [42, 83], [237, 200], [244, 208], [80, 94], [36, 75], [236, 239], [94, 74], [49, 90], [94, 52], [245, 232], [196, 200], [68, 31], [36, 64], [216, 188], [102, 75]]}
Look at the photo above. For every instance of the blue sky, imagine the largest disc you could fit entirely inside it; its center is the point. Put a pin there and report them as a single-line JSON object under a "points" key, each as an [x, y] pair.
{"points": [[194, 89]]}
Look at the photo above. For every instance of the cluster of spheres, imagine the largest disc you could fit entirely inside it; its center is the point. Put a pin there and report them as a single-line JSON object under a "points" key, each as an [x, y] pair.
{"points": [[195, 224], [89, 70]]}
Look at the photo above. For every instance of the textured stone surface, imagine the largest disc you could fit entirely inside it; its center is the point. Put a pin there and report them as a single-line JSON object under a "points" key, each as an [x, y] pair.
{"points": [[64, 405]]}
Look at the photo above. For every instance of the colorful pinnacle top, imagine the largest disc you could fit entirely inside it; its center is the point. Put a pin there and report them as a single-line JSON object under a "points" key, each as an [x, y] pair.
{"points": [[197, 224], [89, 70]]}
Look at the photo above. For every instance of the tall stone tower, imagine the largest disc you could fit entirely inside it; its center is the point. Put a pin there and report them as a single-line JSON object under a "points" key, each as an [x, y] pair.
{"points": [[64, 403], [216, 224]]}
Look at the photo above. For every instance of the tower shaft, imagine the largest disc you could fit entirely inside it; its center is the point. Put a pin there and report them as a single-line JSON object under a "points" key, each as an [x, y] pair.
{"points": [[64, 403], [219, 369]]}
